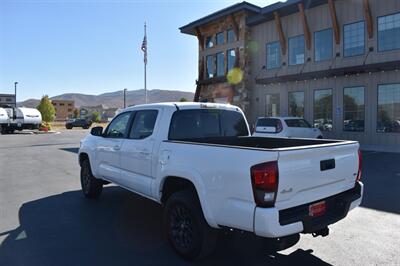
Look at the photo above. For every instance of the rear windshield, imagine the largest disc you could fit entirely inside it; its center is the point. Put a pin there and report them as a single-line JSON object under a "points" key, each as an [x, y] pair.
{"points": [[267, 122], [297, 123], [206, 123]]}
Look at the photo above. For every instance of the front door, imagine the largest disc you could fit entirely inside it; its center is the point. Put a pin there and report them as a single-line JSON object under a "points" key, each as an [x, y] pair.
{"points": [[109, 147], [137, 153]]}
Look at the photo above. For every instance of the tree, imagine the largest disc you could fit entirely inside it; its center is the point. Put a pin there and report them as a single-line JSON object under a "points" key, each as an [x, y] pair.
{"points": [[47, 109], [183, 99], [96, 116], [76, 113]]}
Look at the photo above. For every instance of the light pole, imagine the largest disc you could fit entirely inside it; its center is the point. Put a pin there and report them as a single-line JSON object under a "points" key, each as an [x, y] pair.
{"points": [[15, 92], [125, 98]]}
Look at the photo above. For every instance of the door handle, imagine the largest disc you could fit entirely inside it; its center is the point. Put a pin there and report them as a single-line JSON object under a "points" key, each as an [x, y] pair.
{"points": [[117, 147], [144, 152]]}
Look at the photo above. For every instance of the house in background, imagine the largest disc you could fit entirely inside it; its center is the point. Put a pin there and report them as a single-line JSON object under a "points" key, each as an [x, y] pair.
{"points": [[334, 62], [64, 109]]}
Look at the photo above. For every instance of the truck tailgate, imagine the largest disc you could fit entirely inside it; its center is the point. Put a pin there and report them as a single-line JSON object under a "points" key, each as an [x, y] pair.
{"points": [[309, 174]]}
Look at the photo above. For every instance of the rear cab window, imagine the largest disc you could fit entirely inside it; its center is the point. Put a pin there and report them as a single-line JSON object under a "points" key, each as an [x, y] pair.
{"points": [[297, 123], [206, 123]]}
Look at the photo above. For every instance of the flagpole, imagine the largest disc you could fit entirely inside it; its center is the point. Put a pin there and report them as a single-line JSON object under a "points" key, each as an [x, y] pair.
{"points": [[145, 66]]}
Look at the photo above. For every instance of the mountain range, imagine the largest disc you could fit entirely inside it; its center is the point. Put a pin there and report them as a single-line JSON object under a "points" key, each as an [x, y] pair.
{"points": [[116, 98]]}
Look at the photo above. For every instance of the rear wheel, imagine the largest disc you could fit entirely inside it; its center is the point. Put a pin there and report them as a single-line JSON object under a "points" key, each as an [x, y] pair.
{"points": [[319, 137], [91, 186], [186, 228]]}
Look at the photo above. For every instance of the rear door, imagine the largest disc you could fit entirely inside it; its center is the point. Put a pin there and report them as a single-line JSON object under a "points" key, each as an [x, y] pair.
{"points": [[299, 128], [137, 152], [309, 174]]}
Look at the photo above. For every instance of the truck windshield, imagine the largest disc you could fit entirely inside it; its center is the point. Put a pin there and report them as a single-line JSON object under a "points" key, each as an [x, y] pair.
{"points": [[206, 123]]}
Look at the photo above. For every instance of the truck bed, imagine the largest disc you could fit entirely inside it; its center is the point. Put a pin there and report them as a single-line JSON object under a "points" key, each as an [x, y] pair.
{"points": [[262, 142]]}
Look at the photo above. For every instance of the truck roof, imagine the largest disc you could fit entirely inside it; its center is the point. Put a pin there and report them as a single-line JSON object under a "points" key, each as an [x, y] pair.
{"points": [[185, 106]]}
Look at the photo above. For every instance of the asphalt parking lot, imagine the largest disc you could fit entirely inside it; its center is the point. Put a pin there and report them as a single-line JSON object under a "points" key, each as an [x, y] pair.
{"points": [[45, 220]]}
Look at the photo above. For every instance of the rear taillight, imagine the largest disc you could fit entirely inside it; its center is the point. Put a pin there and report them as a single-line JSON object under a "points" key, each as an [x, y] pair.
{"points": [[264, 179], [359, 166], [279, 126]]}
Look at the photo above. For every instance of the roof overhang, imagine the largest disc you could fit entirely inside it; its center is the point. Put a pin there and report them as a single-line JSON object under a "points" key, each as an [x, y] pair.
{"points": [[243, 6], [283, 8]]}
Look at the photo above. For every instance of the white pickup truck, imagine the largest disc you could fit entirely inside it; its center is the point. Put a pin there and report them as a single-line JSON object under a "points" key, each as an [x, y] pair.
{"points": [[200, 162]]}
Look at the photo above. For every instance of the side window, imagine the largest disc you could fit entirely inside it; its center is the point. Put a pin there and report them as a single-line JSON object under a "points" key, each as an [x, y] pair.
{"points": [[118, 126], [143, 124]]}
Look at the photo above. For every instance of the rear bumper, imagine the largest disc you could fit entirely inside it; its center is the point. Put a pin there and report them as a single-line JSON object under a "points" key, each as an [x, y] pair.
{"points": [[270, 222]]}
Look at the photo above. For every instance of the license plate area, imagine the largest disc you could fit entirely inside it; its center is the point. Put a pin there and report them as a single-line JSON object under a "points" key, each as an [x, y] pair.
{"points": [[317, 209]]}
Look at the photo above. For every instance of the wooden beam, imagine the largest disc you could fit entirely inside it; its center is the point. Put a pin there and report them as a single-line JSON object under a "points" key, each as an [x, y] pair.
{"points": [[368, 19], [237, 62], [282, 39], [200, 38], [201, 69], [335, 23], [235, 26], [306, 29], [200, 78]]}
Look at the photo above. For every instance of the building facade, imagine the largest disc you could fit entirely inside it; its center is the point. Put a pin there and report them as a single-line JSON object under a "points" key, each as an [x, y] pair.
{"points": [[7, 99], [335, 63], [64, 109]]}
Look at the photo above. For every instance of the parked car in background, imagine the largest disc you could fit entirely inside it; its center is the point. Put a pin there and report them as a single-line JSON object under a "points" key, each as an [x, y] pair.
{"points": [[79, 122], [288, 127]]}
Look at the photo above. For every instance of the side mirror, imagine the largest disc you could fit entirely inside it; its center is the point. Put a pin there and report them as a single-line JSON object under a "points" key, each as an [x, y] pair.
{"points": [[97, 131]]}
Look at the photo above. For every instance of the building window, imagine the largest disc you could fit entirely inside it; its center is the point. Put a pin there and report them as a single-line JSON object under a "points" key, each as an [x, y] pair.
{"points": [[323, 45], [323, 109], [272, 104], [220, 38], [61, 104], [70, 104], [388, 108], [296, 50], [354, 39], [273, 55], [389, 32], [353, 109], [209, 42], [296, 103], [210, 66], [231, 35], [8, 100], [231, 59], [220, 65], [69, 110]]}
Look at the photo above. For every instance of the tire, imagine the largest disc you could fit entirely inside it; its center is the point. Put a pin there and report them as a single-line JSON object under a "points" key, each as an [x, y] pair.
{"points": [[186, 228], [69, 127], [91, 186], [319, 137], [85, 127]]}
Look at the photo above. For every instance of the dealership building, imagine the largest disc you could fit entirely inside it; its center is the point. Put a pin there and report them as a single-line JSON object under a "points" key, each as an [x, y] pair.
{"points": [[335, 63]]}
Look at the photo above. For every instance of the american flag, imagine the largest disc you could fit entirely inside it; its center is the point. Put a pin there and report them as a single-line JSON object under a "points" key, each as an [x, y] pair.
{"points": [[144, 47]]}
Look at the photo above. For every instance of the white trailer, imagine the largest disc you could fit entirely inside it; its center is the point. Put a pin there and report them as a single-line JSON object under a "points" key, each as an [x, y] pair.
{"points": [[19, 118], [4, 120]]}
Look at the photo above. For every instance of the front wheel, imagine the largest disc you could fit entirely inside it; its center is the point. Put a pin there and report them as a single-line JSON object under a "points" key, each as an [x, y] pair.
{"points": [[186, 228], [91, 186]]}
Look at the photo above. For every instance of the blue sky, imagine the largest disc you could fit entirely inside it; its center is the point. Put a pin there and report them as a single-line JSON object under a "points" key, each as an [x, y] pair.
{"points": [[54, 47]]}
